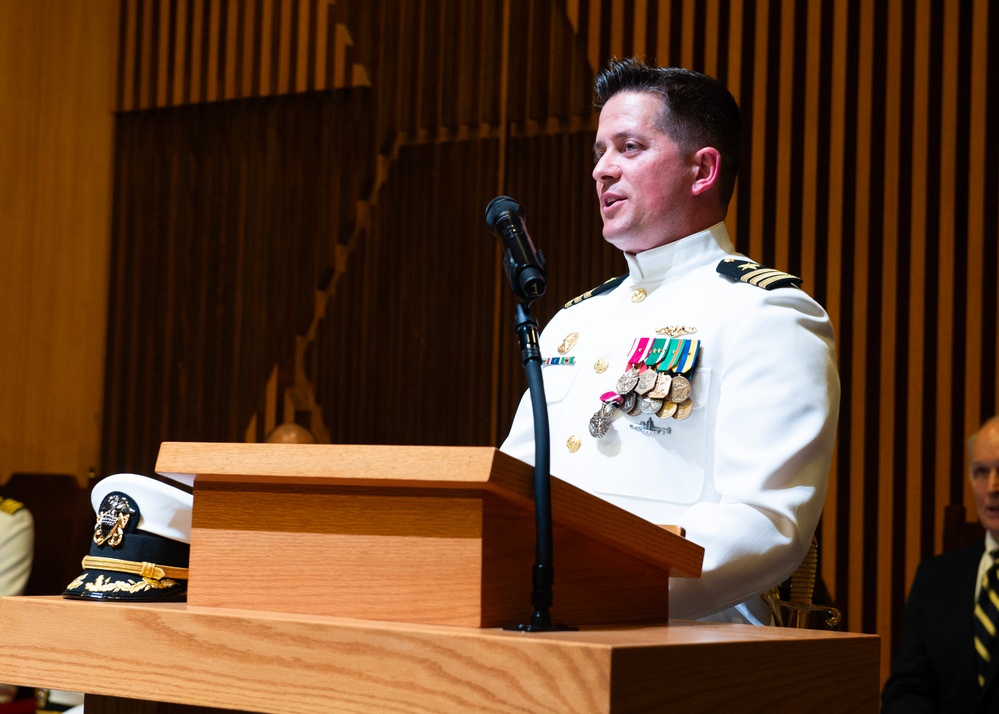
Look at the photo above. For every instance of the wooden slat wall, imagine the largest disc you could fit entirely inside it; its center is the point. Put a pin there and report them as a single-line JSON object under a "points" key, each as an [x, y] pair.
{"points": [[223, 214], [869, 170], [195, 51]]}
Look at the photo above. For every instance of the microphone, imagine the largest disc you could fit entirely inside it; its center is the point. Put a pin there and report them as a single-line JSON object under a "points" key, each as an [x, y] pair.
{"points": [[524, 266]]}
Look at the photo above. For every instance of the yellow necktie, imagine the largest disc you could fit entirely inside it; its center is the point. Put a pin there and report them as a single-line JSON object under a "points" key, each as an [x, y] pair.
{"points": [[986, 618]]}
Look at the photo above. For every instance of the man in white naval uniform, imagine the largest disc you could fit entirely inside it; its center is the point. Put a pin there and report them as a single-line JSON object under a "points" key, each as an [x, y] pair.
{"points": [[17, 550], [17, 546], [741, 462]]}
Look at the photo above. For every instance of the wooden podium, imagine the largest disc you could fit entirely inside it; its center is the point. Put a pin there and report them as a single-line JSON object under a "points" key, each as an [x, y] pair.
{"points": [[373, 579], [412, 534]]}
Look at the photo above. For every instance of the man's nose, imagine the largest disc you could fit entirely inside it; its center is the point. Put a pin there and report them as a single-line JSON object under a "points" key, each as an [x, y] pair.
{"points": [[605, 167], [993, 479]]}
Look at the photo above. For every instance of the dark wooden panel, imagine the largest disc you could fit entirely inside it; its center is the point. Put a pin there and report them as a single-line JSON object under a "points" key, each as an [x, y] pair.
{"points": [[224, 216]]}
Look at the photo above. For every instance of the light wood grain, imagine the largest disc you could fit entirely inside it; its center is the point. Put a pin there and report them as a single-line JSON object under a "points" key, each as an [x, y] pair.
{"points": [[339, 463], [57, 64], [478, 467], [413, 534], [272, 662]]}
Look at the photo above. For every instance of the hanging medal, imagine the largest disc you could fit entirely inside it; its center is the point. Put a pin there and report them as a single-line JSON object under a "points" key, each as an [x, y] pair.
{"points": [[656, 382], [663, 376], [627, 381], [681, 387], [600, 422], [670, 398], [649, 403], [625, 397], [647, 372]]}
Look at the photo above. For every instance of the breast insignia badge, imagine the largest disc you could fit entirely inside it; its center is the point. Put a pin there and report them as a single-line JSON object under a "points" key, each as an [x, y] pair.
{"points": [[568, 343]]}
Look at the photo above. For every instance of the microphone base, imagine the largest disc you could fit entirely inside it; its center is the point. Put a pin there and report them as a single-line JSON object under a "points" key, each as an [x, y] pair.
{"points": [[541, 628]]}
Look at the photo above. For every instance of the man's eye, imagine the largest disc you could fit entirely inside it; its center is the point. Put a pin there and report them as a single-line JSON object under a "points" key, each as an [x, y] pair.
{"points": [[630, 146]]}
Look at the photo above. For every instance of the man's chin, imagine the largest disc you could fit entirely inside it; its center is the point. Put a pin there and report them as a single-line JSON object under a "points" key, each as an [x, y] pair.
{"points": [[629, 243], [991, 523]]}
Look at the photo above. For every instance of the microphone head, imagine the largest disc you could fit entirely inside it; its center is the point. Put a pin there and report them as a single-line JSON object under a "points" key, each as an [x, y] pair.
{"points": [[497, 207]]}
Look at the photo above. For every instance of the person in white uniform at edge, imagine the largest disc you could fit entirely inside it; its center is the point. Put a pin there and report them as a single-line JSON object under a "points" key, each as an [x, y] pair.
{"points": [[730, 431]]}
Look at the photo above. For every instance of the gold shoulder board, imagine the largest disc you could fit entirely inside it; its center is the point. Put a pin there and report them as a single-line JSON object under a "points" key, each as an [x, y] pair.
{"points": [[747, 271], [9, 505], [607, 285]]}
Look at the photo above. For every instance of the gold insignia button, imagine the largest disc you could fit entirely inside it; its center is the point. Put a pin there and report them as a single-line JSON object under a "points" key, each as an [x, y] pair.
{"points": [[568, 343], [638, 295], [573, 443], [600, 366]]}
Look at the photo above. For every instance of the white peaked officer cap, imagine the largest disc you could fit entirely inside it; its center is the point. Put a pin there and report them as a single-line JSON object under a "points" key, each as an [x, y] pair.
{"points": [[164, 510]]}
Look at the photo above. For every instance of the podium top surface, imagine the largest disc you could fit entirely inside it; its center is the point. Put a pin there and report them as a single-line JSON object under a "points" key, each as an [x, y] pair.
{"points": [[332, 464], [273, 662]]}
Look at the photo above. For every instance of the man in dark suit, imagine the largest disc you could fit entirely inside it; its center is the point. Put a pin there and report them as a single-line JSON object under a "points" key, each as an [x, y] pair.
{"points": [[936, 667]]}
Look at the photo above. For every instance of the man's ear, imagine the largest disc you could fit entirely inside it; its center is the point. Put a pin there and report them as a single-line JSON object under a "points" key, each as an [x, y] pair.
{"points": [[708, 164]]}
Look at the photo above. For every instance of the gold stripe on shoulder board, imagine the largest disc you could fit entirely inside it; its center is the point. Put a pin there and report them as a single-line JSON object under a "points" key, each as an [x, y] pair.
{"points": [[747, 271], [9, 505]]}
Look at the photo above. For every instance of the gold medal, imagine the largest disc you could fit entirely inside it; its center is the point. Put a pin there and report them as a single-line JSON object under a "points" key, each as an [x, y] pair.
{"points": [[679, 390], [667, 409], [683, 410]]}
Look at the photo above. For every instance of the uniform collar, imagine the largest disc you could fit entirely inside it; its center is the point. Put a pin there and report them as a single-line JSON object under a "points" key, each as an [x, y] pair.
{"points": [[681, 256]]}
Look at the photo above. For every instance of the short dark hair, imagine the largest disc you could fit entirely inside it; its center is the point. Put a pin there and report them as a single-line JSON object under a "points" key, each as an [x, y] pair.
{"points": [[697, 111]]}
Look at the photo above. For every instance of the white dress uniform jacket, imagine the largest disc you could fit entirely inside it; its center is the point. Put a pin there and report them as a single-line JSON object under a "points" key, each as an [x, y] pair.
{"points": [[17, 547], [745, 474]]}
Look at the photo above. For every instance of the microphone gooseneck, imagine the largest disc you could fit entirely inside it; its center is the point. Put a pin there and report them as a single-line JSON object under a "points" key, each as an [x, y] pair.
{"points": [[525, 269]]}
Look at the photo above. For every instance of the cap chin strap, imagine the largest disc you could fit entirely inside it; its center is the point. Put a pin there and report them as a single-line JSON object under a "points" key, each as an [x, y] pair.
{"points": [[150, 571]]}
